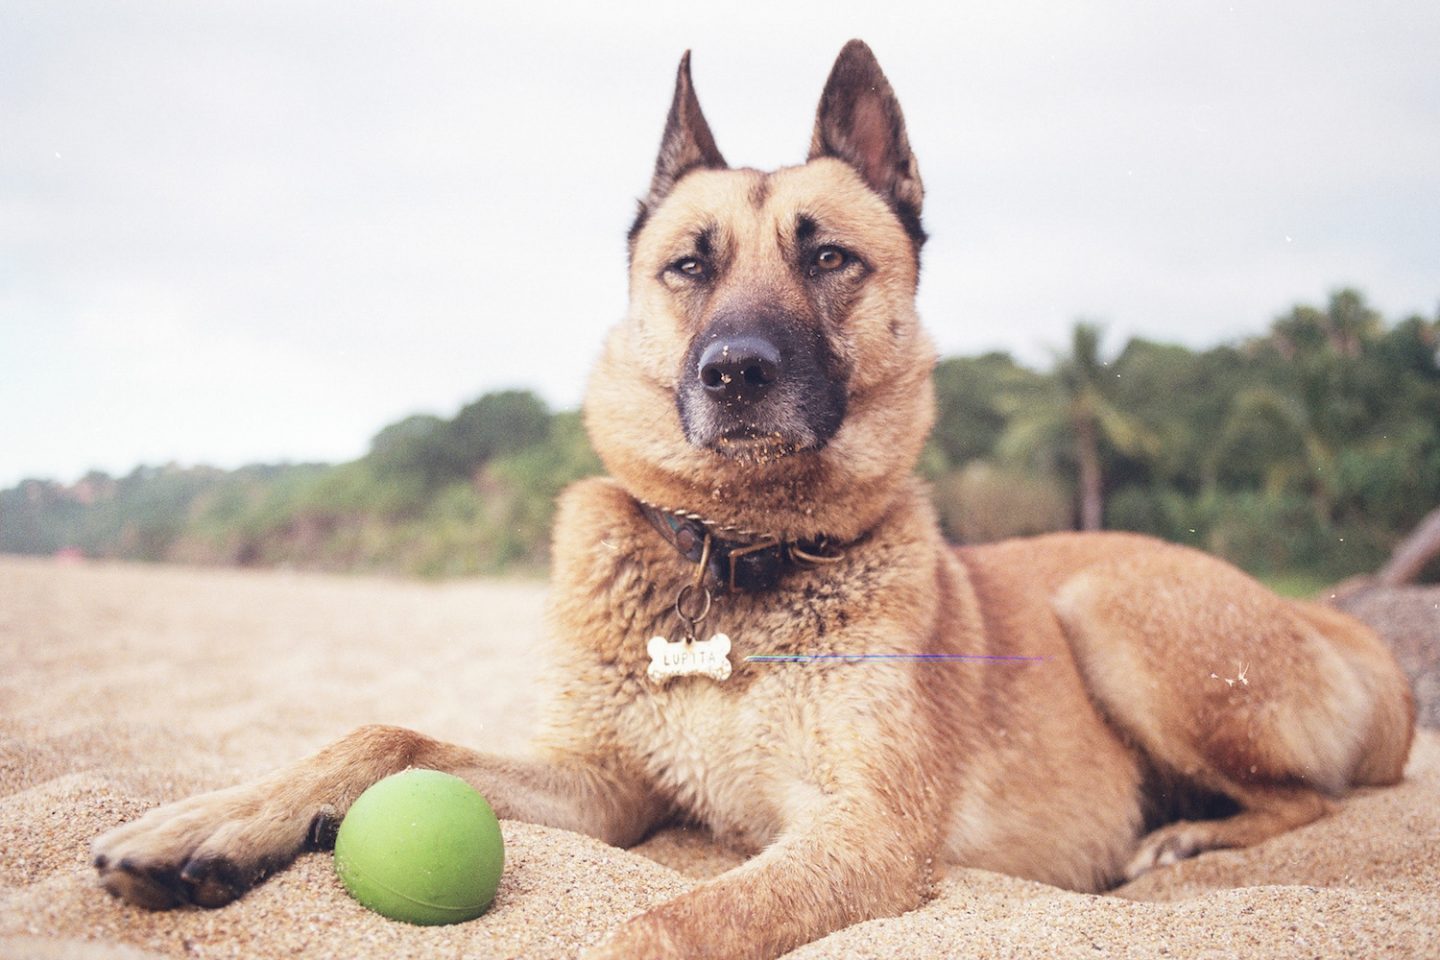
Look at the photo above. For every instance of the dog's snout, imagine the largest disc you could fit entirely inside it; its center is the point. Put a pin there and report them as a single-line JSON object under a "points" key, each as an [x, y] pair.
{"points": [[739, 369], [760, 381]]}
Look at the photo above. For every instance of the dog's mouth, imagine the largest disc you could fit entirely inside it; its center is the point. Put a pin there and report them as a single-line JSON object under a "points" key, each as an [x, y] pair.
{"points": [[776, 431], [743, 435], [757, 446]]}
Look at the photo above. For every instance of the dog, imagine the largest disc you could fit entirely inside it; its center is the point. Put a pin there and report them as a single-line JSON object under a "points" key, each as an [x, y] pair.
{"points": [[766, 634]]}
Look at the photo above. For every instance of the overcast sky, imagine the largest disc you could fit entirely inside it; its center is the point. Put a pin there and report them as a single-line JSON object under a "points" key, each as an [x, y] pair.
{"points": [[255, 231]]}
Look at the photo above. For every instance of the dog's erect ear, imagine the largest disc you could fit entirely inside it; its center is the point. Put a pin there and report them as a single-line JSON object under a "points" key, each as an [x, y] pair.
{"points": [[687, 143], [859, 121]]}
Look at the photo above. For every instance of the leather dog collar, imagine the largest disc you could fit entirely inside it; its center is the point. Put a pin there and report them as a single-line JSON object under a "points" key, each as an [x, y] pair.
{"points": [[738, 560]]}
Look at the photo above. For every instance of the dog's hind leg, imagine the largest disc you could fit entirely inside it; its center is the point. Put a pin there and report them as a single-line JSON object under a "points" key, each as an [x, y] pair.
{"points": [[209, 849], [1385, 742], [1266, 812], [1230, 690]]}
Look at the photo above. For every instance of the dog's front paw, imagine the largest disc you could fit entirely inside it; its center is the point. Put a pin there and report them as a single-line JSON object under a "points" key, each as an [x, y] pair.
{"points": [[206, 850], [654, 935], [632, 942]]}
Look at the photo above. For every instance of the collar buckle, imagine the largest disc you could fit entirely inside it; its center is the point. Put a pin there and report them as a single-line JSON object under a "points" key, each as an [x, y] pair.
{"points": [[752, 564]]}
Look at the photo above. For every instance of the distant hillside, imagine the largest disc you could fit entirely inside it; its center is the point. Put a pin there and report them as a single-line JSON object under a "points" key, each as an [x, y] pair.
{"points": [[434, 497]]}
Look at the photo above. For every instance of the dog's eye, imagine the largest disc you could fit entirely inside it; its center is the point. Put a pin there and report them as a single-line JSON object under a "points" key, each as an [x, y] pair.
{"points": [[827, 260], [692, 267]]}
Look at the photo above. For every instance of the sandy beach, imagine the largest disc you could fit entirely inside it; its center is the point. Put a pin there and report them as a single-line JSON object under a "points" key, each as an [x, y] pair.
{"points": [[122, 687]]}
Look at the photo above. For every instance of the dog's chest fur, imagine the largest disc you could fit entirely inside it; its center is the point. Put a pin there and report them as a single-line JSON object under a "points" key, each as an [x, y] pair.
{"points": [[741, 755], [712, 751], [745, 755]]}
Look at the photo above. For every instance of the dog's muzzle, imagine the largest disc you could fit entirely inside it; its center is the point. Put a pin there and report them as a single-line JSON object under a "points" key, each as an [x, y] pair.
{"points": [[760, 384]]}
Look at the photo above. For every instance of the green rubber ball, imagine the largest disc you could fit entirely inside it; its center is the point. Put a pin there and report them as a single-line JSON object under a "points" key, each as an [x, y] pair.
{"points": [[423, 847]]}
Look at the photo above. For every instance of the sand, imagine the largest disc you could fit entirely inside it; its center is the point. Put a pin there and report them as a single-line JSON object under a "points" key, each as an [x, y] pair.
{"points": [[122, 687]]}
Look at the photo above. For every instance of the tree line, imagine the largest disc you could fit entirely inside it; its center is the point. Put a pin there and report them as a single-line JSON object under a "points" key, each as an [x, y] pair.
{"points": [[1305, 453]]}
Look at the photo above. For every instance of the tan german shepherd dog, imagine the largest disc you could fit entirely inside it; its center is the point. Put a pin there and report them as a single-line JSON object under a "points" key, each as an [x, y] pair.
{"points": [[765, 633]]}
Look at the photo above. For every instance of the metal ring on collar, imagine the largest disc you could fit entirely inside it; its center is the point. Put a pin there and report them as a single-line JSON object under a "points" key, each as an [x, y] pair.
{"points": [[684, 594]]}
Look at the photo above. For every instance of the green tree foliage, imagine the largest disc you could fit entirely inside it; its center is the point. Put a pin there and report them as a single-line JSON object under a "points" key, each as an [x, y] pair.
{"points": [[970, 395], [1314, 446], [424, 453], [417, 448], [1071, 418], [495, 424]]}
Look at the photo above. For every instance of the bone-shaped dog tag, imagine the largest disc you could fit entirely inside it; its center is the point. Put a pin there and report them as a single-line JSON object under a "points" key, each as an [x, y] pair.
{"points": [[709, 658]]}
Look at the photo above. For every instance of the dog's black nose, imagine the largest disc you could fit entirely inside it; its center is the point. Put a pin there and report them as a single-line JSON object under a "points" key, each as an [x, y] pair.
{"points": [[740, 368]]}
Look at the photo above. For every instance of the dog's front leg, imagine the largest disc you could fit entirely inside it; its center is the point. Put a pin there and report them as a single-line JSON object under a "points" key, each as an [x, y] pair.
{"points": [[855, 861], [209, 849]]}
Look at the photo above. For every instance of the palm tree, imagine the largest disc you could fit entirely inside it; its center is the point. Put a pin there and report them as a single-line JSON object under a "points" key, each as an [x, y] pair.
{"points": [[1072, 412]]}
